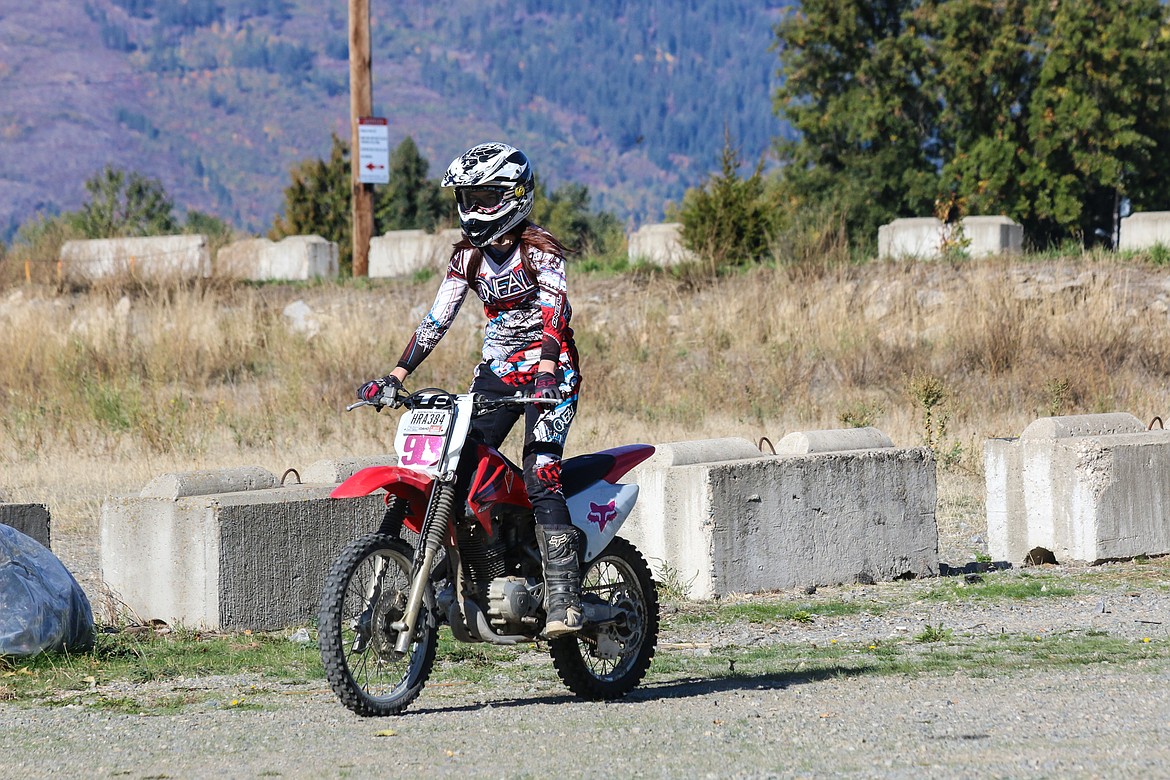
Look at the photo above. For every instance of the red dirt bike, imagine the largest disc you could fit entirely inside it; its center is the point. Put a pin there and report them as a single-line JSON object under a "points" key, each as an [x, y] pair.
{"points": [[476, 566]]}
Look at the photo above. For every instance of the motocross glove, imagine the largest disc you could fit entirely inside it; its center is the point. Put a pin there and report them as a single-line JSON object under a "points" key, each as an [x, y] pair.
{"points": [[371, 390], [547, 387]]}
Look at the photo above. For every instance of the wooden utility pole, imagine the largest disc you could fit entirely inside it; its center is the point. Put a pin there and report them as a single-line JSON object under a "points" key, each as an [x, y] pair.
{"points": [[361, 103]]}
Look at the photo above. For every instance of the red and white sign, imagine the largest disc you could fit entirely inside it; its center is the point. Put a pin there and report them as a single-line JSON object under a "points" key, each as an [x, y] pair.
{"points": [[373, 150]]}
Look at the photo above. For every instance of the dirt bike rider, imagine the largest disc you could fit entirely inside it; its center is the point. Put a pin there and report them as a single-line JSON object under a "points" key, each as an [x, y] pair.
{"points": [[518, 270]]}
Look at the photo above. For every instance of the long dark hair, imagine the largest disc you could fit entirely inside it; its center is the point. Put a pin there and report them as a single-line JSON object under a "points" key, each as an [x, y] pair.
{"points": [[529, 236]]}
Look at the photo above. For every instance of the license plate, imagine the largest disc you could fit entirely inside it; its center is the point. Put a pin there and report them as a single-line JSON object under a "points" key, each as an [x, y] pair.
{"points": [[425, 422]]}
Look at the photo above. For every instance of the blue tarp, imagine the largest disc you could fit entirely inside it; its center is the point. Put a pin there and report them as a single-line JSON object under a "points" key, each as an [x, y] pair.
{"points": [[41, 605]]}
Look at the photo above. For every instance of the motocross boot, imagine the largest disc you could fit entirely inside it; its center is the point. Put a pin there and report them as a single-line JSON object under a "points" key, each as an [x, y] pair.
{"points": [[560, 547]]}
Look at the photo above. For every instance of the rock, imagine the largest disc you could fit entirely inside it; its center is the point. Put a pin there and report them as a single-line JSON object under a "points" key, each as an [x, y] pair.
{"points": [[302, 319]]}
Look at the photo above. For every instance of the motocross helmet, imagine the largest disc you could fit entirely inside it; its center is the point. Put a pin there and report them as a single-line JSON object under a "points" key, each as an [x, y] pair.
{"points": [[494, 190]]}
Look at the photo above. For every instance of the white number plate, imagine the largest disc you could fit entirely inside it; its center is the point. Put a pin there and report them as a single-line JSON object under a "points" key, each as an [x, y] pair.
{"points": [[425, 421]]}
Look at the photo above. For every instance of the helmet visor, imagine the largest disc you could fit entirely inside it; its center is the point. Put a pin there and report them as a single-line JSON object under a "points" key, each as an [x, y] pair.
{"points": [[482, 199]]}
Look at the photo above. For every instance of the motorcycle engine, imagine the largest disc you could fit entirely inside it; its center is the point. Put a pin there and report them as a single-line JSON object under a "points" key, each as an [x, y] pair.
{"points": [[513, 603], [483, 556]]}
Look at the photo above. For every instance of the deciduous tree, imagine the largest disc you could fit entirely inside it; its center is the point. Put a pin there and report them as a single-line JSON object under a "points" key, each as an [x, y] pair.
{"points": [[853, 90], [1054, 114]]}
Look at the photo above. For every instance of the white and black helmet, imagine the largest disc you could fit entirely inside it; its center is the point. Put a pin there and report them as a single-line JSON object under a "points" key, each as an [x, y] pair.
{"points": [[494, 190]]}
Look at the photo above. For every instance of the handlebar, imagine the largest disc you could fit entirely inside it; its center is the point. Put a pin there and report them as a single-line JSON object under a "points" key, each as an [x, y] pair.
{"points": [[430, 394]]}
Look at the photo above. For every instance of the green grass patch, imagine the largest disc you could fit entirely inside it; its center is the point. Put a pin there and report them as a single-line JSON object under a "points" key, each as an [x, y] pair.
{"points": [[459, 662], [87, 679], [767, 612], [1023, 586], [989, 656], [146, 657]]}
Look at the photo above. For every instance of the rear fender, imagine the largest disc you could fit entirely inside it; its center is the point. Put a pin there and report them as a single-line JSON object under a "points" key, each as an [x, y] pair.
{"points": [[599, 511], [413, 487]]}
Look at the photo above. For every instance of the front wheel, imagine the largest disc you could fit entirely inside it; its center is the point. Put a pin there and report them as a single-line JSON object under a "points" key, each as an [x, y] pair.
{"points": [[365, 594], [608, 662]]}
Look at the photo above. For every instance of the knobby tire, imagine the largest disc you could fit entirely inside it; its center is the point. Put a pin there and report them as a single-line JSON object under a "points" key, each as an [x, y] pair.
{"points": [[619, 575], [373, 680]]}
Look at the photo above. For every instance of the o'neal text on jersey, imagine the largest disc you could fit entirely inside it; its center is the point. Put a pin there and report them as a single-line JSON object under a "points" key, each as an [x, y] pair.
{"points": [[506, 287]]}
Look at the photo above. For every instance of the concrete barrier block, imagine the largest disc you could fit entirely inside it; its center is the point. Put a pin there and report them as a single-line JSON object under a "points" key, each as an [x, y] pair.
{"points": [[298, 258], [30, 519], [1144, 230], [684, 453], [836, 440], [158, 258], [925, 237], [241, 259], [337, 470], [651, 524], [403, 252], [768, 523], [918, 237], [660, 244], [202, 483], [992, 235], [1082, 425], [254, 559], [1085, 490]]}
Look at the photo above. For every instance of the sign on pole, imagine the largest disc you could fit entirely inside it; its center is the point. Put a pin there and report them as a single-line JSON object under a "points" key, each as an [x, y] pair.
{"points": [[373, 150]]}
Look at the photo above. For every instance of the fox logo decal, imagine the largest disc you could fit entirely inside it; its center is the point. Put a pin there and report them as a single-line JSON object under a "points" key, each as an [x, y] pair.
{"points": [[602, 514]]}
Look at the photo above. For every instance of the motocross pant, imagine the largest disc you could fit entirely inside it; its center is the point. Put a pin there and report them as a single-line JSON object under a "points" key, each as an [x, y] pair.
{"points": [[545, 432]]}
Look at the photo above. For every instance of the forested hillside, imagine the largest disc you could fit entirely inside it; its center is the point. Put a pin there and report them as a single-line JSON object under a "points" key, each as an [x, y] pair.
{"points": [[218, 99]]}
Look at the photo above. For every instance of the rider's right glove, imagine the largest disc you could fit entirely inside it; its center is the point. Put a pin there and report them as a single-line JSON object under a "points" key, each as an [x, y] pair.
{"points": [[376, 387]]}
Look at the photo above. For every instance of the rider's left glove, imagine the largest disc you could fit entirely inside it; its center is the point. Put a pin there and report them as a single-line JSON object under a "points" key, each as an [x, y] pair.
{"points": [[547, 387], [371, 390]]}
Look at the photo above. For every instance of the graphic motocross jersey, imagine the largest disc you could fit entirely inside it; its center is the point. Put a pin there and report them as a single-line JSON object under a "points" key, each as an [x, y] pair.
{"points": [[528, 319]]}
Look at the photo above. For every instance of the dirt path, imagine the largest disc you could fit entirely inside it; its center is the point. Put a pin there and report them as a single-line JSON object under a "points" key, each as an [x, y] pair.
{"points": [[1078, 720], [1099, 722]]}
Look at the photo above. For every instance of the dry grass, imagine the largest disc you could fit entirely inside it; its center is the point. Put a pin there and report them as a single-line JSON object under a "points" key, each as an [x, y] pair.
{"points": [[102, 390]]}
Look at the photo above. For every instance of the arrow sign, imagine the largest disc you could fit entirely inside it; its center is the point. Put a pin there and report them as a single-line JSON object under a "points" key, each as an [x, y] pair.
{"points": [[374, 150]]}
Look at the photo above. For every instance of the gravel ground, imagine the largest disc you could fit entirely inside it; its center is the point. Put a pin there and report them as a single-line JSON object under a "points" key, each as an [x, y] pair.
{"points": [[1101, 720]]}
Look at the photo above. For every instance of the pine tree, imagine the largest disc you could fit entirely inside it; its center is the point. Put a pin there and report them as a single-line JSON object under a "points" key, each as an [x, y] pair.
{"points": [[410, 201], [124, 204], [318, 202], [1099, 120], [982, 75], [726, 222]]}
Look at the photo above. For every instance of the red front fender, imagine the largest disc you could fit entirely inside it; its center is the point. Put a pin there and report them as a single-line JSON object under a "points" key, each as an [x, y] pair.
{"points": [[411, 486]]}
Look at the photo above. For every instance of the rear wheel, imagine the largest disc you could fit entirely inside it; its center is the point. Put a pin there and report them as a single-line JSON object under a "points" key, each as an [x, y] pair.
{"points": [[365, 594], [609, 661]]}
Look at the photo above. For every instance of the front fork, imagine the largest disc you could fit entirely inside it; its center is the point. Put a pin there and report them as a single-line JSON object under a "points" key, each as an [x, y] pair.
{"points": [[434, 529]]}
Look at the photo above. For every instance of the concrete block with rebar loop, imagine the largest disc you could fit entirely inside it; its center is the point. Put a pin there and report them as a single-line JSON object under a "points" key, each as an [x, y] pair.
{"points": [[1085, 488], [832, 507], [254, 556]]}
